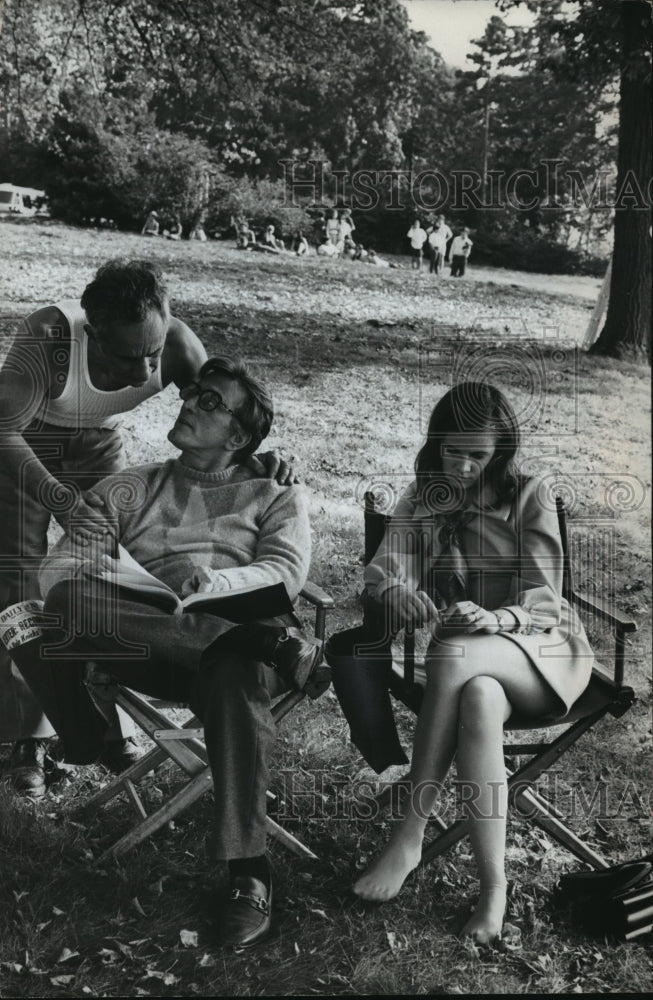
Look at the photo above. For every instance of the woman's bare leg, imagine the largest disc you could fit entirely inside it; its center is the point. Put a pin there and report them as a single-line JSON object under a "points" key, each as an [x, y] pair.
{"points": [[480, 768], [435, 743]]}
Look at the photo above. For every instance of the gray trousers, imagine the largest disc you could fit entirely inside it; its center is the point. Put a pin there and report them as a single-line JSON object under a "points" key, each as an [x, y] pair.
{"points": [[188, 658]]}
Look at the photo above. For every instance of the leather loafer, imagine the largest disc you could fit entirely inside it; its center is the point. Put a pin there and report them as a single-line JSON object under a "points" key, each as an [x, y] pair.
{"points": [[26, 767], [297, 659], [246, 917], [119, 755]]}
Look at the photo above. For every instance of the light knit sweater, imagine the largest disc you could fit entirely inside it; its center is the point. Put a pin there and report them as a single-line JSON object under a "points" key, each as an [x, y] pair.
{"points": [[248, 530]]}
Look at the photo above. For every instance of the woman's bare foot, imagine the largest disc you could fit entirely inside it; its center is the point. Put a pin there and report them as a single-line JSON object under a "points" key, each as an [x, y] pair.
{"points": [[484, 925], [386, 875]]}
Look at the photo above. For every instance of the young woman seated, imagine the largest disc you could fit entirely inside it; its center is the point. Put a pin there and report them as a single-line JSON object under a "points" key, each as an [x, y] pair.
{"points": [[472, 552]]}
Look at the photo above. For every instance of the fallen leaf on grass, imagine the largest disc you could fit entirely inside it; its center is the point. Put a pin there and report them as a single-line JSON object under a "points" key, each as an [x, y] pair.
{"points": [[56, 912], [392, 940], [108, 956], [320, 913], [61, 980], [12, 966], [206, 961], [66, 955], [510, 938], [166, 978], [188, 938]]}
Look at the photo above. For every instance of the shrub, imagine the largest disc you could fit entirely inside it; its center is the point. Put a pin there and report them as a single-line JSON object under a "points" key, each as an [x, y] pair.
{"points": [[524, 250], [262, 202], [120, 168]]}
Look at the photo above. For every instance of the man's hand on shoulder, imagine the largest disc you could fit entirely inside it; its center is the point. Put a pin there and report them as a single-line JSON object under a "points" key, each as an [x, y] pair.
{"points": [[271, 465]]}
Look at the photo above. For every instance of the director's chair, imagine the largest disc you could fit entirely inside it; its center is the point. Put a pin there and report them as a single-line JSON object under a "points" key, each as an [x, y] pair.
{"points": [[606, 694], [184, 746]]}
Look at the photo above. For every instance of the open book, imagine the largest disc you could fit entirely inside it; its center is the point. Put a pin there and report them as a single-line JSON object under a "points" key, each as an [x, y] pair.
{"points": [[242, 605]]}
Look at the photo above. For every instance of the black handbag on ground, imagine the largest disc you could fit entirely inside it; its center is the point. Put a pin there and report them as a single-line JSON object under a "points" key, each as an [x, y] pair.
{"points": [[616, 901]]}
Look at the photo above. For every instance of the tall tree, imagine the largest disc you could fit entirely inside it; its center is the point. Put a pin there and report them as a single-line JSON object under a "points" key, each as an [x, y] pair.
{"points": [[590, 44], [627, 330]]}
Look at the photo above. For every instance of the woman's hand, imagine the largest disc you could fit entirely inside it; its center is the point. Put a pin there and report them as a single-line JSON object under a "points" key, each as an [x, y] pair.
{"points": [[466, 617], [408, 608], [204, 580]]}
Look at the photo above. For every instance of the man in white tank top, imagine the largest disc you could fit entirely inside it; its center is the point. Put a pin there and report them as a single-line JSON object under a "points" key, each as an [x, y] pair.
{"points": [[69, 372]]}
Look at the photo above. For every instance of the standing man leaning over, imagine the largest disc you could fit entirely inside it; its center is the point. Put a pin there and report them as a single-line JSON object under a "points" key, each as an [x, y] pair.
{"points": [[73, 368]]}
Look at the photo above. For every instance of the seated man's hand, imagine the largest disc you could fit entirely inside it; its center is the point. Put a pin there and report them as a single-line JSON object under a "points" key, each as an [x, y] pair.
{"points": [[204, 580], [98, 565], [408, 608], [271, 465]]}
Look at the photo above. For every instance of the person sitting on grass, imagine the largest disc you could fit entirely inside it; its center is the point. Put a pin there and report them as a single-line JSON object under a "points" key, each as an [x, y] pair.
{"points": [[373, 258], [204, 522], [245, 236], [175, 232], [300, 244], [348, 248], [327, 249], [151, 225], [271, 240], [473, 551]]}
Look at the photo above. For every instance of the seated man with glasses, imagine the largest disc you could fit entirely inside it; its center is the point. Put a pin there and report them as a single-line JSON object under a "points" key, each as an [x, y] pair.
{"points": [[202, 522]]}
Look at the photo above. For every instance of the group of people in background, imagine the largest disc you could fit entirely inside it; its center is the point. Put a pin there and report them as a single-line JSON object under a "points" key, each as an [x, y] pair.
{"points": [[333, 236], [151, 227], [434, 242]]}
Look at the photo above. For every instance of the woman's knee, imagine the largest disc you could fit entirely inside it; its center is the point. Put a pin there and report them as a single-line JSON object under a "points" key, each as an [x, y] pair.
{"points": [[453, 662], [483, 703]]}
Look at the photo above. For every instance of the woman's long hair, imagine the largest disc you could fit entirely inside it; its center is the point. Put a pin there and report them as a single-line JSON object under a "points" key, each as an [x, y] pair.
{"points": [[468, 407]]}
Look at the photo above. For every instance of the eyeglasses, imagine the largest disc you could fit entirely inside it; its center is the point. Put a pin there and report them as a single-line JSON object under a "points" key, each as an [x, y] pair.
{"points": [[207, 399]]}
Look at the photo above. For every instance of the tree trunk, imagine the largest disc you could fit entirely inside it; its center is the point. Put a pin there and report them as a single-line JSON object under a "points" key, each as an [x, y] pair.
{"points": [[627, 330]]}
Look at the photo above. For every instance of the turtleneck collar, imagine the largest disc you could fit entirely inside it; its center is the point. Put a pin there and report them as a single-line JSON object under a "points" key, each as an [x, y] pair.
{"points": [[203, 477]]}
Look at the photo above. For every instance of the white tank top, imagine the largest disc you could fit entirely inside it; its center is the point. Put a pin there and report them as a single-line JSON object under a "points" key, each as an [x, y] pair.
{"points": [[81, 404]]}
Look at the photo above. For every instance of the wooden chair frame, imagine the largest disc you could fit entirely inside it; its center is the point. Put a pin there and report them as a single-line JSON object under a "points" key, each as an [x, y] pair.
{"points": [[184, 745], [606, 693]]}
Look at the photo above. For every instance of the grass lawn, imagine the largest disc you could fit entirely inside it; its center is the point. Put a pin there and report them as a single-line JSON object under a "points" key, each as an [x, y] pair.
{"points": [[356, 358]]}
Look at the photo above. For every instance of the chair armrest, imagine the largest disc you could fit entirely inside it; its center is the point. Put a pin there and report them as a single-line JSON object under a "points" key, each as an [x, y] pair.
{"points": [[604, 611], [315, 595]]}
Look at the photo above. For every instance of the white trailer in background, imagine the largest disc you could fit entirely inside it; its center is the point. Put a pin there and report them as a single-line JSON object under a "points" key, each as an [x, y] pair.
{"points": [[17, 200]]}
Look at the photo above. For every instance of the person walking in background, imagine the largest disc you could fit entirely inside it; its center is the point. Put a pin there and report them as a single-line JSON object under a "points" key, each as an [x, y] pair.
{"points": [[151, 225], [417, 237], [461, 248], [438, 237]]}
